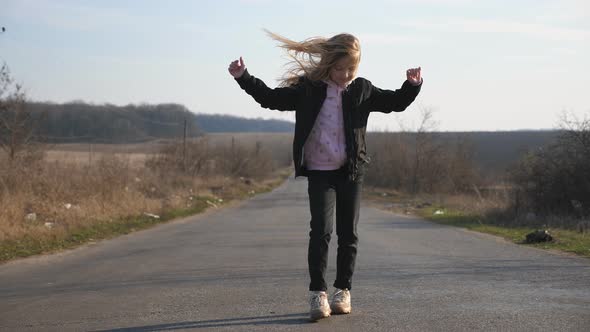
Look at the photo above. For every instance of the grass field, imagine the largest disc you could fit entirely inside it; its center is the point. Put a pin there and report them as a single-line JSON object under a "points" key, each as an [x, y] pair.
{"points": [[86, 192]]}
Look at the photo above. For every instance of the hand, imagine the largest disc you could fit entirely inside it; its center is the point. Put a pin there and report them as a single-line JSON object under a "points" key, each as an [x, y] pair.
{"points": [[414, 76], [237, 68]]}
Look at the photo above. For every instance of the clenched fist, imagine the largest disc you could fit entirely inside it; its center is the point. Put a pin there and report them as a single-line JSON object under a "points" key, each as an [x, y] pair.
{"points": [[414, 75], [237, 68]]}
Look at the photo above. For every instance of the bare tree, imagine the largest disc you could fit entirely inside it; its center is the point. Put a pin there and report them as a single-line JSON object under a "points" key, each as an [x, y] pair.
{"points": [[555, 179], [16, 123], [426, 156], [576, 131], [462, 172], [418, 159]]}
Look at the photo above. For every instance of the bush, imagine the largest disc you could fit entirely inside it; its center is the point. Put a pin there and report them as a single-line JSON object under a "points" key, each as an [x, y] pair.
{"points": [[416, 163], [556, 179], [203, 158]]}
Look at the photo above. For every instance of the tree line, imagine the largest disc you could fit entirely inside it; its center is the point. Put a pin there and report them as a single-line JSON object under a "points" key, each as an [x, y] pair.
{"points": [[83, 122]]}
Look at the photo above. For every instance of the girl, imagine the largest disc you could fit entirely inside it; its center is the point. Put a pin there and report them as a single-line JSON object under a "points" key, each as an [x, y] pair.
{"points": [[331, 112]]}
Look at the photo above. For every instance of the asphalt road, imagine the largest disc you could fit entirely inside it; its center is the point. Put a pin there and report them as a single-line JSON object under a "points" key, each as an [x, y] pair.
{"points": [[244, 268]]}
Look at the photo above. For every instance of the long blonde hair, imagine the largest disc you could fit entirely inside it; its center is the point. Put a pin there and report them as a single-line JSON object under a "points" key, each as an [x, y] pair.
{"points": [[314, 57]]}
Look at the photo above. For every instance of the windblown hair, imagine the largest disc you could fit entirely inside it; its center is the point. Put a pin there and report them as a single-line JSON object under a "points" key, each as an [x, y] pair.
{"points": [[314, 57]]}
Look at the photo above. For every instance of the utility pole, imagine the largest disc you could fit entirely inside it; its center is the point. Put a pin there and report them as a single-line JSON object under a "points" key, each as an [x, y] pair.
{"points": [[89, 153], [184, 147]]}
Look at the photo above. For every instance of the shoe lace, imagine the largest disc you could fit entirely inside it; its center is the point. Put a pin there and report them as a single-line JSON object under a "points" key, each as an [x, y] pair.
{"points": [[341, 295], [316, 300]]}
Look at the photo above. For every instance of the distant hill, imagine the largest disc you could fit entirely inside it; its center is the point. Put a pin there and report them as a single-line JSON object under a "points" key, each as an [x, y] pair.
{"points": [[107, 123], [83, 122], [213, 123], [495, 151]]}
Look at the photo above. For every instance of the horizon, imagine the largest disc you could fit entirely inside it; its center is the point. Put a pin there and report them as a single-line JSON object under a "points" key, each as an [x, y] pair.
{"points": [[518, 64], [292, 122]]}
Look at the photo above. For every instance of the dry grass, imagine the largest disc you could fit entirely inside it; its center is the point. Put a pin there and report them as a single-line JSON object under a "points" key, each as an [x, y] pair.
{"points": [[69, 188], [465, 203], [68, 195], [134, 159]]}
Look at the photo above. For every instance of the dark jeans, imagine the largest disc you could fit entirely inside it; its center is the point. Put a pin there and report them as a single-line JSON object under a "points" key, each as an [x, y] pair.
{"points": [[329, 190]]}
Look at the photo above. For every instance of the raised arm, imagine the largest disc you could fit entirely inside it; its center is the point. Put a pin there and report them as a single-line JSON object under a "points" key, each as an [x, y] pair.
{"points": [[387, 101], [282, 99]]}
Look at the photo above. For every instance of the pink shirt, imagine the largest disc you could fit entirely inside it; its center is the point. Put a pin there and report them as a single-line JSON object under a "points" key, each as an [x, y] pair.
{"points": [[325, 148]]}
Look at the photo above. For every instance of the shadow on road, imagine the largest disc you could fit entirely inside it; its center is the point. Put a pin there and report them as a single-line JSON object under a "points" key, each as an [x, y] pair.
{"points": [[290, 319]]}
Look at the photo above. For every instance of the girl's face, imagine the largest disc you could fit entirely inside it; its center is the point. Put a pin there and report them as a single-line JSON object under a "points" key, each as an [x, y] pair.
{"points": [[343, 71]]}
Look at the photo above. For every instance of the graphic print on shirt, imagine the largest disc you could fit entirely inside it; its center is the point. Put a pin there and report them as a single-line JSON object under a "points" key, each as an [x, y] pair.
{"points": [[325, 148]]}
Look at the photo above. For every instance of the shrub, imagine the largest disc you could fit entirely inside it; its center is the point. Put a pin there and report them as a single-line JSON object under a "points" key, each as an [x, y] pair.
{"points": [[556, 179]]}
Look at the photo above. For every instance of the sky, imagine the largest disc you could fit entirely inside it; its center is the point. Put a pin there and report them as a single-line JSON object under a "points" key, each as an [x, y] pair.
{"points": [[487, 65]]}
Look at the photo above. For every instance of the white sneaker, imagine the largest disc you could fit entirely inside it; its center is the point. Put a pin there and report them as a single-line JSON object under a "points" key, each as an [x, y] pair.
{"points": [[341, 302], [319, 305]]}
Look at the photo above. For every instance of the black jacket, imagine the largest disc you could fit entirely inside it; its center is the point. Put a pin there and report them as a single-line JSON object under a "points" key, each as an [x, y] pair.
{"points": [[306, 98]]}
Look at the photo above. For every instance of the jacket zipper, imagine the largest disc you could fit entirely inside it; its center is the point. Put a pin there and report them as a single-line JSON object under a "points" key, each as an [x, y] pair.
{"points": [[349, 134]]}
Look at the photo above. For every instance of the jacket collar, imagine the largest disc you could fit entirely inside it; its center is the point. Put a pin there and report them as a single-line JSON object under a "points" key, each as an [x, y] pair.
{"points": [[334, 85]]}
